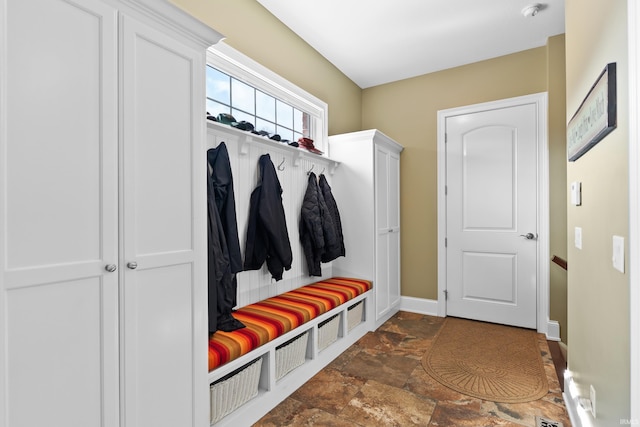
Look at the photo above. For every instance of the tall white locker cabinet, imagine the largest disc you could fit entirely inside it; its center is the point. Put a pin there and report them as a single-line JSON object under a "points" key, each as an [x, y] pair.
{"points": [[103, 301], [367, 190]]}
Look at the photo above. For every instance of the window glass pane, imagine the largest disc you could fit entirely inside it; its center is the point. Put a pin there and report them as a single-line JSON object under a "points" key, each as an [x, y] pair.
{"points": [[266, 126], [265, 106], [285, 133], [243, 96], [215, 108], [241, 115], [297, 136], [298, 124], [218, 85], [284, 114]]}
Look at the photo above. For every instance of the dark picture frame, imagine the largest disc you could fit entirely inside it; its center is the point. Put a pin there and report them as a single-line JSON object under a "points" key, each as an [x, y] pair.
{"points": [[596, 117]]}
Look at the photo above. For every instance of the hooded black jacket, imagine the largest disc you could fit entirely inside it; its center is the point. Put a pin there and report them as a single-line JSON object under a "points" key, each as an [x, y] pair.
{"points": [[267, 235]]}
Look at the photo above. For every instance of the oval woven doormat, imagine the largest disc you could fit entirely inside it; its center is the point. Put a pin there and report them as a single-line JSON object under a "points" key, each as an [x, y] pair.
{"points": [[488, 361]]}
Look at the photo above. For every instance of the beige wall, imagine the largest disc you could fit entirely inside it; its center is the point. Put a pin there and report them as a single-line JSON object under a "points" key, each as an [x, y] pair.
{"points": [[252, 30], [598, 295], [558, 191], [406, 111]]}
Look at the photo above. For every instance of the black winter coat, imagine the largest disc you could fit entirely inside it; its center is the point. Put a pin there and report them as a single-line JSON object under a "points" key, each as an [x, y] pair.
{"points": [[336, 250], [317, 230], [224, 248], [267, 235], [222, 181]]}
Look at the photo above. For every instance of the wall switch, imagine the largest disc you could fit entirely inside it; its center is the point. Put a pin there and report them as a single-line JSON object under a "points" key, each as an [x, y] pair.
{"points": [[576, 193], [578, 237], [618, 253]]}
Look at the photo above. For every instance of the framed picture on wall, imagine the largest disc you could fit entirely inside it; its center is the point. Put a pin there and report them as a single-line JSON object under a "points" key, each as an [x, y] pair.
{"points": [[596, 117]]}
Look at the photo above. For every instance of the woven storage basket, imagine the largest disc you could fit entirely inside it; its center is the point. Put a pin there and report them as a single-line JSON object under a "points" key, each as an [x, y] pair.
{"points": [[354, 315], [234, 390], [291, 354], [328, 332]]}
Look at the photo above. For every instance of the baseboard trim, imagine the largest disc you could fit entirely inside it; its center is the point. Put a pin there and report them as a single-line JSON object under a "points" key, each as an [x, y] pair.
{"points": [[419, 305], [577, 414]]}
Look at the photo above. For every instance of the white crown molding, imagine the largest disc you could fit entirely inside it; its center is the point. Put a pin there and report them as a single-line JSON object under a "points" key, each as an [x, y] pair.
{"points": [[180, 21]]}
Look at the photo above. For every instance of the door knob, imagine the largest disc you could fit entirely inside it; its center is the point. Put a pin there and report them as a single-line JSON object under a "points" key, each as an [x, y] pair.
{"points": [[529, 236], [132, 265], [110, 268]]}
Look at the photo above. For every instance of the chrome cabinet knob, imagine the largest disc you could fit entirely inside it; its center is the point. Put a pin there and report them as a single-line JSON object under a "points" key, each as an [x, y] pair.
{"points": [[110, 268], [132, 265]]}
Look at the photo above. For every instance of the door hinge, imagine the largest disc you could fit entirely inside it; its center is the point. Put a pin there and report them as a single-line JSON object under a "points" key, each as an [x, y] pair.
{"points": [[446, 190], [445, 242], [445, 138], [446, 294]]}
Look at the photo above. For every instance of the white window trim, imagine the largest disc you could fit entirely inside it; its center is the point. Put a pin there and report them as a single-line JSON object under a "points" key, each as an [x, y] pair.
{"points": [[236, 64]]}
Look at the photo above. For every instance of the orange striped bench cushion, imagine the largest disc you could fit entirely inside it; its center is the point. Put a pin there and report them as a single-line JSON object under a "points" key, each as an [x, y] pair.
{"points": [[268, 319]]}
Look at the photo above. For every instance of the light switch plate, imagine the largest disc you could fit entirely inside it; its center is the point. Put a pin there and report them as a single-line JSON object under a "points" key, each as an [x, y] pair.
{"points": [[618, 253], [578, 237], [576, 193]]}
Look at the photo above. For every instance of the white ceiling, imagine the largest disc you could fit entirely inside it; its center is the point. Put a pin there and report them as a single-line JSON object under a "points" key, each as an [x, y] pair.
{"points": [[375, 42]]}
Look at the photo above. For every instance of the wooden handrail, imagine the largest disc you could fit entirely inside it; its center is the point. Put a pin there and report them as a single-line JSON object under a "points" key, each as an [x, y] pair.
{"points": [[561, 262]]}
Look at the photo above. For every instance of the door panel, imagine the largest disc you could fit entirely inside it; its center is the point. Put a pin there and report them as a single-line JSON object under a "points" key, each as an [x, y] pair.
{"points": [[488, 174], [491, 202]]}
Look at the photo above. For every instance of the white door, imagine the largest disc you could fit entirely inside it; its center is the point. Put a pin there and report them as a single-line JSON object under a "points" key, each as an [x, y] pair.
{"points": [[491, 215], [58, 214]]}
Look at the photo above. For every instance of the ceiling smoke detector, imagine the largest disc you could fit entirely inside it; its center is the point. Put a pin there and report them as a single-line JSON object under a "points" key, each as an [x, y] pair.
{"points": [[531, 10]]}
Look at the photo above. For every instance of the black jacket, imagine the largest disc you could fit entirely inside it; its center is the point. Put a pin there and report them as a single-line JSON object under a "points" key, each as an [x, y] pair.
{"points": [[224, 248], [267, 235], [336, 250], [317, 230], [222, 181]]}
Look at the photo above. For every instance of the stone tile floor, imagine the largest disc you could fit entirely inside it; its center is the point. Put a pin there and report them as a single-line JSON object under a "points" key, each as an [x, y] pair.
{"points": [[379, 381]]}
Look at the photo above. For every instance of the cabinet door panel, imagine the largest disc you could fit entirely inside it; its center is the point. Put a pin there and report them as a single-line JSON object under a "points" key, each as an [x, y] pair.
{"points": [[60, 80], [157, 145], [394, 191], [158, 340], [58, 214], [382, 275], [382, 189], [55, 377], [164, 194]]}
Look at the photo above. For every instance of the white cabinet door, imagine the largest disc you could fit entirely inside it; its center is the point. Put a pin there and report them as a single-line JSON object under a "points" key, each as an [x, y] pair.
{"points": [[164, 293], [383, 229], [58, 214], [387, 202], [393, 201]]}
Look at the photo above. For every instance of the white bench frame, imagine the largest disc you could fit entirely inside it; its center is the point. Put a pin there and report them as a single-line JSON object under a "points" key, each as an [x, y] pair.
{"points": [[272, 391]]}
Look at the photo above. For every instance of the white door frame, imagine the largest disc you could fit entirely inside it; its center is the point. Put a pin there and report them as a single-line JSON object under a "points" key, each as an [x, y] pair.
{"points": [[544, 324], [634, 205]]}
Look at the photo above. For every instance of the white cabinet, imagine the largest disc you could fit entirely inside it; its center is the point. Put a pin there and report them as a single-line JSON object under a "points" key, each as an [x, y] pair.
{"points": [[102, 214], [367, 191]]}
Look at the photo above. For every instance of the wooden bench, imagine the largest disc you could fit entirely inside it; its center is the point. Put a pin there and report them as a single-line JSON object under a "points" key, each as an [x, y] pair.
{"points": [[250, 370]]}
